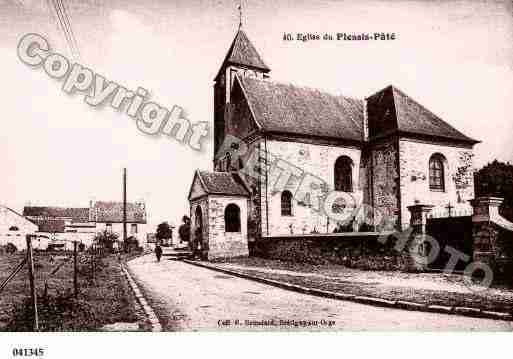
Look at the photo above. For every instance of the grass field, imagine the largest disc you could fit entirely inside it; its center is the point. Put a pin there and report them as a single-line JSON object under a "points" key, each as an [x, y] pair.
{"points": [[105, 300]]}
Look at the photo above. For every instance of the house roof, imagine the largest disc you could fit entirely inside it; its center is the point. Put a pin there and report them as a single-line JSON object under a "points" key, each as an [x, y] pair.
{"points": [[112, 212], [279, 107], [407, 116], [225, 183], [103, 212], [48, 225], [80, 215], [242, 52]]}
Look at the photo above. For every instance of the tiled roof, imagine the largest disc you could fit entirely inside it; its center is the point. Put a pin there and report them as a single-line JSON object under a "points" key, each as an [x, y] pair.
{"points": [[48, 225], [303, 111], [103, 212], [242, 52], [80, 215], [391, 110], [227, 183], [112, 212]]}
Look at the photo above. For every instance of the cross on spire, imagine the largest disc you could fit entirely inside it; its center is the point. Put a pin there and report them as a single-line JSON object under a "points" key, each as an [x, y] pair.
{"points": [[240, 13]]}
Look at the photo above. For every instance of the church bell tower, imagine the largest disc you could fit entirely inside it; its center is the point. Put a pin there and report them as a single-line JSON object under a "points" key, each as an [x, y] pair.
{"points": [[242, 59]]}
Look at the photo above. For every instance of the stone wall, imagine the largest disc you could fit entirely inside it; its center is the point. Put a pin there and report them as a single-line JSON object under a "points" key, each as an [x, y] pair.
{"points": [[257, 202], [313, 159], [350, 250], [414, 171], [493, 245], [385, 178], [222, 244]]}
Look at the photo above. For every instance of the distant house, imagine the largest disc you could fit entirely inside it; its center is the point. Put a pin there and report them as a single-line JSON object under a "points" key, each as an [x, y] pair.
{"points": [[83, 223], [109, 216], [14, 227]]}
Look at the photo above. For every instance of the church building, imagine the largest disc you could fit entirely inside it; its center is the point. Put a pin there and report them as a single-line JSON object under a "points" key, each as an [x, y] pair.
{"points": [[386, 151]]}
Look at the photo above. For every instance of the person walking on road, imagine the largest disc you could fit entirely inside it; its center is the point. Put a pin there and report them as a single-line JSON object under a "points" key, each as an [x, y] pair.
{"points": [[158, 252]]}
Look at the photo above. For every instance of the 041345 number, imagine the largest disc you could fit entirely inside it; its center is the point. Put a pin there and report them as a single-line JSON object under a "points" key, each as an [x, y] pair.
{"points": [[28, 352]]}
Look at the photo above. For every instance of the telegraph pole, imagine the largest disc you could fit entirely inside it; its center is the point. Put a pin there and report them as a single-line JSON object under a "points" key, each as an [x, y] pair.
{"points": [[75, 269], [31, 280], [124, 206]]}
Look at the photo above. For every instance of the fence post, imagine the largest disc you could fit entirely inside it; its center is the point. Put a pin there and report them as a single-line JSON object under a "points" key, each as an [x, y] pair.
{"points": [[33, 294], [92, 260], [75, 276]]}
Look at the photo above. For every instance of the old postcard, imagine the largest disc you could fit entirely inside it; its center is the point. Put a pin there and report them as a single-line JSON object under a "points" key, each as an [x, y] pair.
{"points": [[255, 166]]}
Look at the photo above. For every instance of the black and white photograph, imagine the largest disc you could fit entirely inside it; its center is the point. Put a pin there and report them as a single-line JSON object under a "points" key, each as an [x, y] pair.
{"points": [[240, 166]]}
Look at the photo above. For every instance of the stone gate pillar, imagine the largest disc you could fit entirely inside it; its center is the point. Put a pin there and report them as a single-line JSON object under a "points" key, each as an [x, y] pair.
{"points": [[492, 236], [417, 247], [483, 231], [419, 215], [485, 208]]}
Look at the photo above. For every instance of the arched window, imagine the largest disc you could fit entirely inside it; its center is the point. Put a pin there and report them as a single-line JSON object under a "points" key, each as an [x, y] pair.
{"points": [[436, 173], [286, 203], [344, 174], [232, 218]]}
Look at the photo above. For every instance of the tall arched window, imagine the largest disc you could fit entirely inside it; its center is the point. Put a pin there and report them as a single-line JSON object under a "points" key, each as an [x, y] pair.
{"points": [[436, 173], [286, 203], [344, 174], [232, 218], [228, 162]]}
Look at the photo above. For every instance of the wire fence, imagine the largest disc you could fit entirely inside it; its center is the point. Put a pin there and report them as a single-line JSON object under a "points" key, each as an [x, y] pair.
{"points": [[45, 272], [13, 274]]}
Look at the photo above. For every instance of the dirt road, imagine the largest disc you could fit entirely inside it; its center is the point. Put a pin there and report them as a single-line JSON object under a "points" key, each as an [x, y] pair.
{"points": [[188, 298]]}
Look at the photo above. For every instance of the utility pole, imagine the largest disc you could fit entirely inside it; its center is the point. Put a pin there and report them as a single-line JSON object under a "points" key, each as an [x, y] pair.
{"points": [[93, 249], [75, 269], [124, 206], [31, 280]]}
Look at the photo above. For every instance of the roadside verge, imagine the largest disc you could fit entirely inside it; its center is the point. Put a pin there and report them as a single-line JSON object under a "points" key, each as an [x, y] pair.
{"points": [[149, 312]]}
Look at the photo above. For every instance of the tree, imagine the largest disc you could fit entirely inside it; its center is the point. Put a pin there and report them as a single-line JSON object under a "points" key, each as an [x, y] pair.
{"points": [[106, 239], [164, 232], [496, 179]]}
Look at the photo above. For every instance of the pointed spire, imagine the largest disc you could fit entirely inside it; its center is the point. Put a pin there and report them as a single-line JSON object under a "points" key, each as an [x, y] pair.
{"points": [[240, 14], [242, 52]]}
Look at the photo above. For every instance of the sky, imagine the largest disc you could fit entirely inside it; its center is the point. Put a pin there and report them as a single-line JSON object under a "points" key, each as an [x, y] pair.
{"points": [[454, 57]]}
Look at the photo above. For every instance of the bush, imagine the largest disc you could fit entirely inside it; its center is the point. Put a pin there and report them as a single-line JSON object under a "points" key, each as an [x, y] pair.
{"points": [[10, 248], [105, 240], [61, 312]]}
